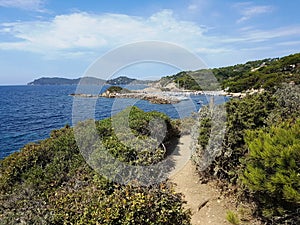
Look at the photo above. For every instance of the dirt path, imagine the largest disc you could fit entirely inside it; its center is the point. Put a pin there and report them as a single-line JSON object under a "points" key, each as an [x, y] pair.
{"points": [[207, 204], [204, 200]]}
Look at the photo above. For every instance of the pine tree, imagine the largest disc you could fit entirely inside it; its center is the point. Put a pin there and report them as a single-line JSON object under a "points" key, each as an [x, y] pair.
{"points": [[272, 169]]}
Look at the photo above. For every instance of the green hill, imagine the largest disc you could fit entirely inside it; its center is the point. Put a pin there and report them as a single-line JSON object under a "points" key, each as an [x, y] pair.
{"points": [[122, 80], [66, 81], [266, 73]]}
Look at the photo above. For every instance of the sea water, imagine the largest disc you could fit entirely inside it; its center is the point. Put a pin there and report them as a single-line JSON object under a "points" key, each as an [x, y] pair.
{"points": [[29, 113]]}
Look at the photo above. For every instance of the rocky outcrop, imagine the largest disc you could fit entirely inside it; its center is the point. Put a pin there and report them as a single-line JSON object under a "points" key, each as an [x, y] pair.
{"points": [[153, 98], [118, 92]]}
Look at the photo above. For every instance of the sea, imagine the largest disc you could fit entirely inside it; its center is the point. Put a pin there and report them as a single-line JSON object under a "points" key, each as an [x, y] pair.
{"points": [[29, 113]]}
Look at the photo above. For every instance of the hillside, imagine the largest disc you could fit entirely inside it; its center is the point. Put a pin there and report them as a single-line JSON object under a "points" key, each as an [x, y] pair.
{"points": [[66, 81], [122, 80], [54, 81], [266, 73]]}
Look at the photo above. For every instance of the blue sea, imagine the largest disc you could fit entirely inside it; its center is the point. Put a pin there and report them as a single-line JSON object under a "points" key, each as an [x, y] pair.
{"points": [[29, 113]]}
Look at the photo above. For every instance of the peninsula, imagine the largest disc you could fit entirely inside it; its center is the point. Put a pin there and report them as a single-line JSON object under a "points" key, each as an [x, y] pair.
{"points": [[122, 80], [119, 92]]}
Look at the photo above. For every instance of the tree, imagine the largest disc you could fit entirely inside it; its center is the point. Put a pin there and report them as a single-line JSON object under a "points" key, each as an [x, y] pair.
{"points": [[272, 170]]}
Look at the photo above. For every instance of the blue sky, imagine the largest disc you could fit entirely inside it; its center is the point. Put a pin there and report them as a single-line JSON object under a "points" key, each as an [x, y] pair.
{"points": [[62, 38]]}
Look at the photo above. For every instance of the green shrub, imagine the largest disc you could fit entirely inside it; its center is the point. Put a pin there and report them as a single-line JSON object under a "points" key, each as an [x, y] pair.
{"points": [[232, 218], [272, 169], [50, 183], [287, 104], [242, 114], [117, 89], [130, 137]]}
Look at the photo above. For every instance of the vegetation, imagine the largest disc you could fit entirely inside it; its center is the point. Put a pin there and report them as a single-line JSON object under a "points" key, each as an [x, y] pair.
{"points": [[50, 182], [272, 169], [117, 89], [66, 81], [194, 80], [122, 80], [260, 152], [241, 115], [232, 218], [267, 74]]}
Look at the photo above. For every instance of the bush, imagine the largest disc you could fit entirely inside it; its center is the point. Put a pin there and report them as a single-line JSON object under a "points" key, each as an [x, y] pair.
{"points": [[242, 114], [232, 218], [287, 104], [50, 183], [117, 89], [272, 170], [136, 136]]}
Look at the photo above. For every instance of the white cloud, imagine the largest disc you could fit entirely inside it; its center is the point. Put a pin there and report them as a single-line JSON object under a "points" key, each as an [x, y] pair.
{"points": [[248, 10], [254, 35], [80, 32], [289, 43], [255, 49], [212, 50], [35, 5], [83, 35]]}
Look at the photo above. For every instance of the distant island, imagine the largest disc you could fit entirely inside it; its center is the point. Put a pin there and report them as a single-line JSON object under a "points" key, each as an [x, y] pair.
{"points": [[122, 80]]}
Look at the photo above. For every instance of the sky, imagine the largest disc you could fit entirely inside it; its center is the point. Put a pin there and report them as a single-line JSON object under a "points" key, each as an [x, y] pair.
{"points": [[55, 38]]}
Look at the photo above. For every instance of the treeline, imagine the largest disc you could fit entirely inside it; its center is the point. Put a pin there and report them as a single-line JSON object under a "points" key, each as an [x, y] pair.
{"points": [[267, 74]]}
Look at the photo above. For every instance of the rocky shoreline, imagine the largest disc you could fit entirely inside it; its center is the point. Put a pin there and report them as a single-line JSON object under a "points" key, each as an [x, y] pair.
{"points": [[153, 98], [156, 96]]}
